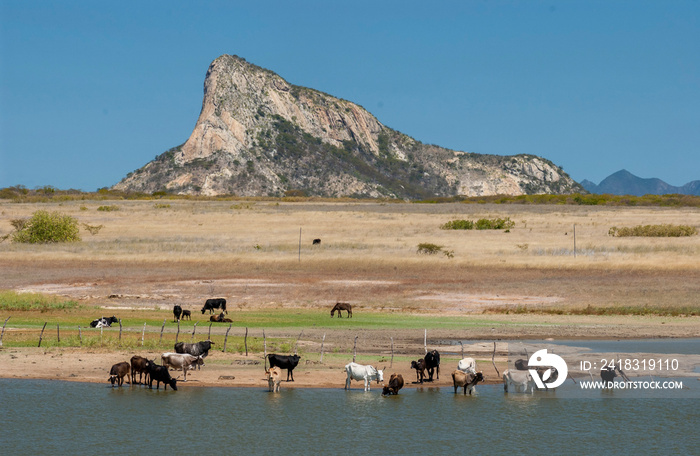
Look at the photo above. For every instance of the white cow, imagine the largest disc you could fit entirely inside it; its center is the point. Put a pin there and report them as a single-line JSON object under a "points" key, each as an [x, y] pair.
{"points": [[518, 381], [467, 365], [274, 377], [182, 361], [360, 372]]}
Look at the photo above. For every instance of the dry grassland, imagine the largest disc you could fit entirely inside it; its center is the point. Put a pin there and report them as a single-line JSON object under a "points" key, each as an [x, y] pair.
{"points": [[148, 255]]}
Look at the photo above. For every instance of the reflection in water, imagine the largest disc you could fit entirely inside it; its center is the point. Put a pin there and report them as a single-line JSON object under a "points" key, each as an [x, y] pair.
{"points": [[51, 417]]}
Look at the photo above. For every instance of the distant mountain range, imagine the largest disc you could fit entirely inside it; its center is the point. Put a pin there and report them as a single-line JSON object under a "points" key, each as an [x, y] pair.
{"points": [[625, 183]]}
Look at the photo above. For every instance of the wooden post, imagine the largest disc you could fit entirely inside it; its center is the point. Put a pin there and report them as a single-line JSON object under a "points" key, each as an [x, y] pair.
{"points": [[574, 240], [178, 331], [322, 341], [101, 328], [460, 343], [80, 335], [193, 331], [143, 333], [299, 244], [3, 330], [41, 336], [161, 331], [354, 350], [264, 345], [493, 361], [120, 332], [245, 341], [58, 333], [425, 341], [226, 338], [209, 337], [297, 344], [392, 353]]}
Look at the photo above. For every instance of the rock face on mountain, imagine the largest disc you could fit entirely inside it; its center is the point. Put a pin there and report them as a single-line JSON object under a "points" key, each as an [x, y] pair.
{"points": [[258, 135]]}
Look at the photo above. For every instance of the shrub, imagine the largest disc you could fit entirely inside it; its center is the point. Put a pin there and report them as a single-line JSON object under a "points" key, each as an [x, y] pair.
{"points": [[428, 248], [458, 225], [494, 224], [48, 227], [108, 208], [654, 231]]}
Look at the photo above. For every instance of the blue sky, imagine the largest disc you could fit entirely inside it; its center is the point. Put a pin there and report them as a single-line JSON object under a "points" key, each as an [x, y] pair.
{"points": [[90, 91]]}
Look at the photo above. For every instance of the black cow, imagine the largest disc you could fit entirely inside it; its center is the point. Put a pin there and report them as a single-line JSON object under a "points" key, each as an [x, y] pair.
{"points": [[521, 364], [160, 374], [316, 242], [104, 321], [432, 362], [118, 372], [395, 384], [200, 348], [214, 303], [283, 362], [177, 312], [186, 315], [419, 366]]}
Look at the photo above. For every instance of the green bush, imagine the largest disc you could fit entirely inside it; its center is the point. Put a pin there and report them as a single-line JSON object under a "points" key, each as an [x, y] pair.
{"points": [[458, 225], [654, 231], [48, 227], [427, 248], [108, 208], [481, 224]]}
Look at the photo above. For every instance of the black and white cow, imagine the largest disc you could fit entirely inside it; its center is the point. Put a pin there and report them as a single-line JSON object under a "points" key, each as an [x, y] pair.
{"points": [[102, 322], [197, 349]]}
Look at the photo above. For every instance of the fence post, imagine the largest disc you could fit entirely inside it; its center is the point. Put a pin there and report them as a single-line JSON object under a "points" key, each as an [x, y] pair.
{"points": [[297, 344], [226, 338], [392, 353], [120, 332], [3, 330], [58, 333], [460, 343], [161, 331], [264, 345], [425, 341], [322, 341], [209, 336], [41, 336], [80, 335], [101, 328], [143, 333], [177, 336], [193, 331], [354, 350], [245, 341]]}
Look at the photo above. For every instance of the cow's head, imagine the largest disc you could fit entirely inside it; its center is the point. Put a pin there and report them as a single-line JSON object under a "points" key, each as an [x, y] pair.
{"points": [[112, 379], [173, 384], [380, 375]]}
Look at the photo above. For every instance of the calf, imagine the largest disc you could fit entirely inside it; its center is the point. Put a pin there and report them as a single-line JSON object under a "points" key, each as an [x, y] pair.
{"points": [[160, 374], [182, 361], [419, 366], [360, 372], [466, 380], [186, 315], [274, 377], [395, 384], [220, 318], [117, 373], [177, 312], [199, 348], [283, 362], [214, 303], [140, 365], [432, 362]]}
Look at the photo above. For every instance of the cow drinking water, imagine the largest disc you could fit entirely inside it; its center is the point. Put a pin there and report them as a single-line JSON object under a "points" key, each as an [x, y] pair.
{"points": [[283, 362]]}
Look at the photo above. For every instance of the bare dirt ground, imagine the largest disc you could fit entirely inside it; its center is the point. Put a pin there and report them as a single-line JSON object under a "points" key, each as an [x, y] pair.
{"points": [[148, 259]]}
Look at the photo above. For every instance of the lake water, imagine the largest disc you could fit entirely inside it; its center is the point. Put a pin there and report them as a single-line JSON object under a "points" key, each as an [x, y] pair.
{"points": [[55, 417]]}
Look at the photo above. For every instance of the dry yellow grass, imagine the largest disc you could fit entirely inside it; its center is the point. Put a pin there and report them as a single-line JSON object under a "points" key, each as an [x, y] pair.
{"points": [[367, 255]]}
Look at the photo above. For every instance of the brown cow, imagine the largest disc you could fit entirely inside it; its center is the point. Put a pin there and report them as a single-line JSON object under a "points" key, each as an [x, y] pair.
{"points": [[138, 364], [342, 306], [395, 384], [419, 366], [117, 373], [466, 380]]}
